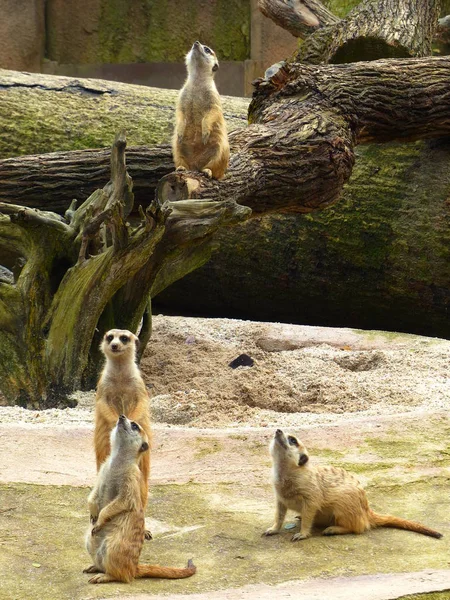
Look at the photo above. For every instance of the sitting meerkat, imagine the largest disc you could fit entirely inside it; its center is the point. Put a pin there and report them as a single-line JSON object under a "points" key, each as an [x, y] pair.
{"points": [[327, 497], [116, 534], [200, 140], [121, 390]]}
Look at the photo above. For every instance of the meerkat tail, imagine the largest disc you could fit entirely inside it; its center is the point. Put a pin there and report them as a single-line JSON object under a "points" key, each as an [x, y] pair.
{"points": [[165, 572], [377, 520]]}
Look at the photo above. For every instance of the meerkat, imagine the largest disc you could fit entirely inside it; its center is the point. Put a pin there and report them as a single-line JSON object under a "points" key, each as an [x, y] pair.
{"points": [[327, 497], [200, 139], [116, 534], [121, 390]]}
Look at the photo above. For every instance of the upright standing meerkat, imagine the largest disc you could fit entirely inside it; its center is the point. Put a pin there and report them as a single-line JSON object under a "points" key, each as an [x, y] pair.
{"points": [[116, 534], [121, 390], [200, 139], [326, 496]]}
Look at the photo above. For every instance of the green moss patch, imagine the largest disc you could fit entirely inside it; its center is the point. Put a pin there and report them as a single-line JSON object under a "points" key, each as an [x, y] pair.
{"points": [[220, 527]]}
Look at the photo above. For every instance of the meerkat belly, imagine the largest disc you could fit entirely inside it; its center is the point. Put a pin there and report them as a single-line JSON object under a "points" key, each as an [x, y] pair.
{"points": [[126, 536], [292, 501], [193, 149], [123, 400]]}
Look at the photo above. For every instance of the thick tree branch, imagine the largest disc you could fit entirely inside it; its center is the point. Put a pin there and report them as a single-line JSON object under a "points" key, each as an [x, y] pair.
{"points": [[372, 30], [306, 121], [385, 100], [55, 179], [299, 17]]}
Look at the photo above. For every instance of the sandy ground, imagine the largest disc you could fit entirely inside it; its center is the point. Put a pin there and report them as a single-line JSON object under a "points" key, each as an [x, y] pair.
{"points": [[300, 375], [229, 471], [375, 402]]}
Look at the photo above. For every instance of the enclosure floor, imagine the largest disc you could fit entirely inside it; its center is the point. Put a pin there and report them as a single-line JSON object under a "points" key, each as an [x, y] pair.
{"points": [[219, 513]]}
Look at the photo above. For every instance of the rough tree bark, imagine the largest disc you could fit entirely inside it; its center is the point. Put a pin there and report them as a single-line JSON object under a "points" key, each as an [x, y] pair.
{"points": [[52, 180], [64, 280], [372, 30]]}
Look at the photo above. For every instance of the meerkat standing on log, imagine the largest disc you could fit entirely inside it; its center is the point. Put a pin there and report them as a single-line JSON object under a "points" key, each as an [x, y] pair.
{"points": [[121, 390], [326, 496], [200, 140], [116, 535]]}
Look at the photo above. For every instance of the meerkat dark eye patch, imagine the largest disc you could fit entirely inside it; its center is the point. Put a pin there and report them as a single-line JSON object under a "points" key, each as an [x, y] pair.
{"points": [[109, 338], [215, 67], [144, 447], [303, 459], [124, 339], [292, 441], [135, 426], [207, 50]]}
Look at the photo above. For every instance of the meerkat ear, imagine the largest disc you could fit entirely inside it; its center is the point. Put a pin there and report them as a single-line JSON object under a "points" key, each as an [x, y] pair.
{"points": [[303, 459], [144, 447], [215, 67], [137, 343]]}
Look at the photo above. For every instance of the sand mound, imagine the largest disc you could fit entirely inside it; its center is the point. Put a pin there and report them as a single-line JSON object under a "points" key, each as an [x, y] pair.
{"points": [[325, 370]]}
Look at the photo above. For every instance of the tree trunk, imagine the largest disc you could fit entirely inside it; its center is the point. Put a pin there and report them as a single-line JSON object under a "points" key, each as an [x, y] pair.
{"points": [[379, 259], [65, 280], [44, 113]]}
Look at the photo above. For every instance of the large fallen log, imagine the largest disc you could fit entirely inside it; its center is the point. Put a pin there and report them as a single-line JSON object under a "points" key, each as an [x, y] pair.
{"points": [[297, 154], [45, 113], [379, 259]]}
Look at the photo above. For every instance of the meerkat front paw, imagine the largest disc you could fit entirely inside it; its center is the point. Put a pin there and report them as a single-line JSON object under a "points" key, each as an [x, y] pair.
{"points": [[101, 578], [148, 535], [95, 530], [207, 172], [91, 569], [300, 536], [180, 168], [205, 137], [271, 531]]}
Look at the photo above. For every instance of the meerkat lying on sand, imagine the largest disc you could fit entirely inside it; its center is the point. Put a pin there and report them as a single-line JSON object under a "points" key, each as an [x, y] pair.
{"points": [[116, 534], [121, 390], [200, 140], [329, 497]]}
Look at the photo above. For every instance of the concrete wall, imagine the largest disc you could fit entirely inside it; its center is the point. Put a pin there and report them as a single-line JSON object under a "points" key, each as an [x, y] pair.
{"points": [[140, 41], [144, 41], [22, 34]]}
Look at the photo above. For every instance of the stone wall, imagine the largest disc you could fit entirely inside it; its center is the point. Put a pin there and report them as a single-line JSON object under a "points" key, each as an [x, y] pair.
{"points": [[22, 34], [144, 41], [141, 41]]}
